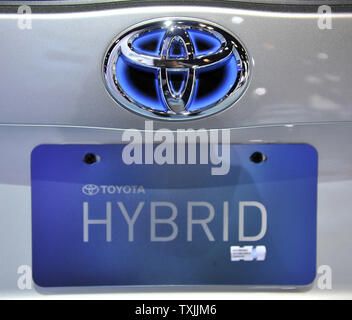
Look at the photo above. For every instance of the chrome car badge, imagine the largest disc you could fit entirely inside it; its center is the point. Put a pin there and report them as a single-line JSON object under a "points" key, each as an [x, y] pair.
{"points": [[176, 69]]}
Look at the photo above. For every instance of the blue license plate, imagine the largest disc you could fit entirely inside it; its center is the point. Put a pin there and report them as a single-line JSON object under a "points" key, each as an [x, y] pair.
{"points": [[104, 222]]}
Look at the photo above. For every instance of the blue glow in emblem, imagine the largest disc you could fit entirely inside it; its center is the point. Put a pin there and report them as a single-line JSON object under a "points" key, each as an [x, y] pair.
{"points": [[149, 43], [204, 43], [228, 70], [177, 49], [176, 70], [127, 75], [177, 81]]}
